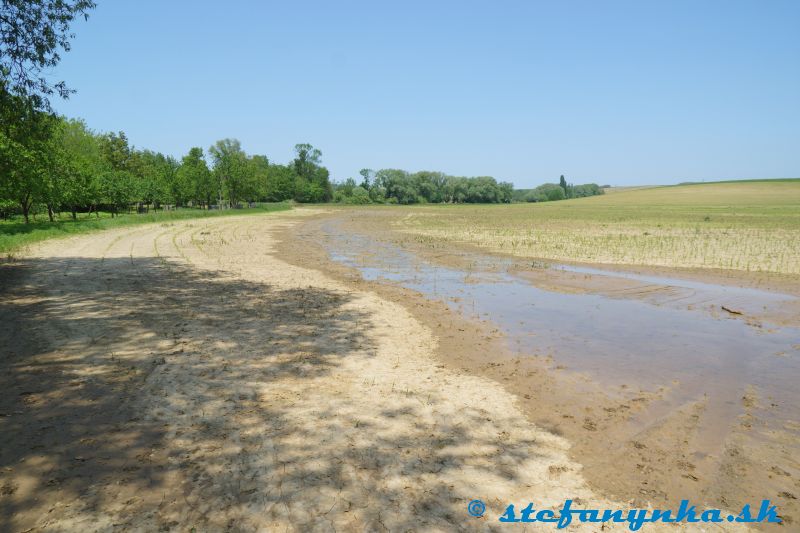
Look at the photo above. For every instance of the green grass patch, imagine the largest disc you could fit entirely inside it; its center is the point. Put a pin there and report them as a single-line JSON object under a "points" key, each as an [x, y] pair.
{"points": [[15, 234]]}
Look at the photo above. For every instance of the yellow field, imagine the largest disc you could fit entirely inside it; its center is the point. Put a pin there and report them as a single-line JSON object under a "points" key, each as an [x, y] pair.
{"points": [[748, 226]]}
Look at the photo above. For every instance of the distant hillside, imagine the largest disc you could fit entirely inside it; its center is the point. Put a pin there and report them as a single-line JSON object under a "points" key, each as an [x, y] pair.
{"points": [[760, 180]]}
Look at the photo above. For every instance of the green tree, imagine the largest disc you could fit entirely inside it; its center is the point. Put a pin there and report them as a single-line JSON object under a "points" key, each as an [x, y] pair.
{"points": [[117, 184], [398, 185], [554, 193], [360, 196], [347, 187], [562, 182], [80, 165], [307, 158], [505, 192], [117, 189], [366, 177], [32, 35], [455, 190], [281, 181], [154, 174], [57, 166], [587, 189], [259, 170], [24, 155], [430, 186], [194, 181], [233, 171], [116, 151], [313, 180]]}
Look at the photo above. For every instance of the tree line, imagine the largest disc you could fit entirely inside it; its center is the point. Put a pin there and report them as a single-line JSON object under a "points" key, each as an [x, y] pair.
{"points": [[396, 186], [49, 163], [401, 187], [562, 190], [53, 164]]}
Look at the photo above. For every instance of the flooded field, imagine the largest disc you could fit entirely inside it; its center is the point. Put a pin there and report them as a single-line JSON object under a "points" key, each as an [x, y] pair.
{"points": [[711, 367], [250, 395], [317, 366]]}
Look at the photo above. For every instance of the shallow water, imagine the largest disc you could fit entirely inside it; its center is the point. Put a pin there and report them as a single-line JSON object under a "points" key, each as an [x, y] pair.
{"points": [[620, 343], [685, 292]]}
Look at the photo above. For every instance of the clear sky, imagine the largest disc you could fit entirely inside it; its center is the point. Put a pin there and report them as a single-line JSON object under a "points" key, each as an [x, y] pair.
{"points": [[622, 93]]}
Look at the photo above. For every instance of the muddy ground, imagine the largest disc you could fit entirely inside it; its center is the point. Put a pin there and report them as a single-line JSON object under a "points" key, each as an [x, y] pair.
{"points": [[205, 376], [634, 445]]}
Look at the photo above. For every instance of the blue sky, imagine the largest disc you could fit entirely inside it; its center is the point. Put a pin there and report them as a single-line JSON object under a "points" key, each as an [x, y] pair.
{"points": [[612, 92]]}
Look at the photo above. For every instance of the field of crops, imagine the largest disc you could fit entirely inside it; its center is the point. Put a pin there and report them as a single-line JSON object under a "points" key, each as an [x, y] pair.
{"points": [[749, 226]]}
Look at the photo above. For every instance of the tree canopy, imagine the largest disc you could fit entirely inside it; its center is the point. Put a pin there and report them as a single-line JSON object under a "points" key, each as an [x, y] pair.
{"points": [[53, 164], [549, 192], [32, 36], [401, 187]]}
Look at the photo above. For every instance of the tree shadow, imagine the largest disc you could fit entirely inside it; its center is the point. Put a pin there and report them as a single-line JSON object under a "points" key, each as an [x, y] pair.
{"points": [[138, 393]]}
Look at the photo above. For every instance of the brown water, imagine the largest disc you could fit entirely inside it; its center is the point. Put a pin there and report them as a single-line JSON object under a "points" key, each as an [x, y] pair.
{"points": [[668, 341]]}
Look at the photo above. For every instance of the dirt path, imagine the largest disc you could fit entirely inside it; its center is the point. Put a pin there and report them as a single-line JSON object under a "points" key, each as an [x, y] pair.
{"points": [[182, 376]]}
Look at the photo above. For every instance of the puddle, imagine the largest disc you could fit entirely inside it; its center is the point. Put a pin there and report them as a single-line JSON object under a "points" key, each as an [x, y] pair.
{"points": [[663, 290], [623, 344]]}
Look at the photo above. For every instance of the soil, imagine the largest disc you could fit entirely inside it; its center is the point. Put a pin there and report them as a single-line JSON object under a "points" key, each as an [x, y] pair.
{"points": [[221, 375], [632, 448]]}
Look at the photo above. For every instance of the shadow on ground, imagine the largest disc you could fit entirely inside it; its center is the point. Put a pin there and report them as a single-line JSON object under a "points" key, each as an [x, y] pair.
{"points": [[141, 394]]}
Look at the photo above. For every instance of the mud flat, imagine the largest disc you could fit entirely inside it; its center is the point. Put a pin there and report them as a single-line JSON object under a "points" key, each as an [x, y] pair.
{"points": [[667, 387], [186, 375]]}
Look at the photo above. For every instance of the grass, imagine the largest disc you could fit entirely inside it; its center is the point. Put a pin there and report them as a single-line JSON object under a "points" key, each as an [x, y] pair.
{"points": [[748, 226], [15, 234]]}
